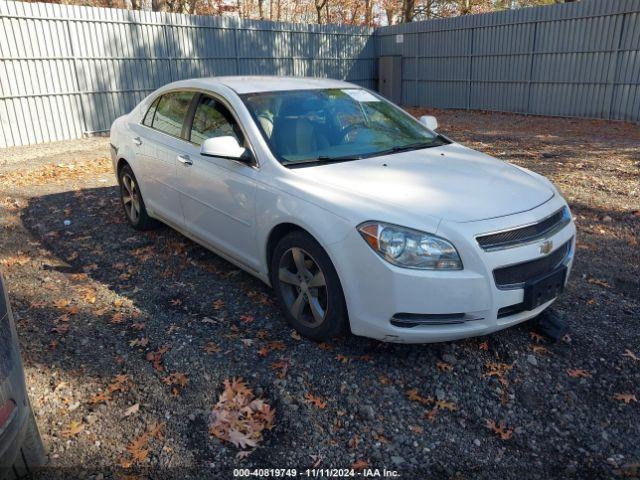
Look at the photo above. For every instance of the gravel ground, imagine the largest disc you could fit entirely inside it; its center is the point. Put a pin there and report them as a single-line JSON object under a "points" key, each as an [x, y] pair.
{"points": [[127, 337]]}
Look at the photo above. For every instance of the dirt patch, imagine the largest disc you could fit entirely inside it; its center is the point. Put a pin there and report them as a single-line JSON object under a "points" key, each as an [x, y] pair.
{"points": [[96, 301]]}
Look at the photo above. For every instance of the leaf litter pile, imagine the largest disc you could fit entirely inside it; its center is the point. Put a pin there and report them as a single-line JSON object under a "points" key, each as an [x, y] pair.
{"points": [[239, 417]]}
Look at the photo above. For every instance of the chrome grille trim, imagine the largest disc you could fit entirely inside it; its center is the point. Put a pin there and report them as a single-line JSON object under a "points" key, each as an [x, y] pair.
{"points": [[524, 234]]}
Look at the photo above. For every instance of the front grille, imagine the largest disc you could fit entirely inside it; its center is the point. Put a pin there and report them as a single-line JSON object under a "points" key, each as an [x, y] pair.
{"points": [[514, 276], [526, 234]]}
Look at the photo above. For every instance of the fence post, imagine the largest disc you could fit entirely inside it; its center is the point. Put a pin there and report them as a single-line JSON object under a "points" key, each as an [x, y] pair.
{"points": [[166, 44], [612, 72], [235, 46], [469, 82], [85, 129], [531, 63]]}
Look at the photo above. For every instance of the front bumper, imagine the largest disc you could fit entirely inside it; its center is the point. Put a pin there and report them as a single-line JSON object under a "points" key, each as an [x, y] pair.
{"points": [[376, 291]]}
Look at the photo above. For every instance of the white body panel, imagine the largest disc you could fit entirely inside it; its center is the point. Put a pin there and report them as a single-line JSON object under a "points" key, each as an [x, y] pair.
{"points": [[451, 191]]}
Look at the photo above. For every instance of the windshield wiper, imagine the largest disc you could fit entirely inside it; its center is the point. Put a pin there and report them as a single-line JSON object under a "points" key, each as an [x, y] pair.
{"points": [[414, 146], [323, 160]]}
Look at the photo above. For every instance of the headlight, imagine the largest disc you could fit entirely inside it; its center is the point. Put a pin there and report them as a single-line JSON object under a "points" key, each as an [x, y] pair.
{"points": [[410, 248]]}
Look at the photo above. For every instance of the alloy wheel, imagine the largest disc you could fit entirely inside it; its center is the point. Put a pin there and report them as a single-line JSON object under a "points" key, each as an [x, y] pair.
{"points": [[303, 286], [130, 198]]}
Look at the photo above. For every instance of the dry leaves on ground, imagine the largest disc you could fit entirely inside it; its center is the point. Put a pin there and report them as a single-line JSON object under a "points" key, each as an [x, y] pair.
{"points": [[239, 417], [578, 373], [315, 401], [73, 429], [500, 429], [625, 397], [139, 449]]}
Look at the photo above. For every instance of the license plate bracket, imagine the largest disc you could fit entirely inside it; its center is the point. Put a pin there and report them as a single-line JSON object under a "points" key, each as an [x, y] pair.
{"points": [[544, 288]]}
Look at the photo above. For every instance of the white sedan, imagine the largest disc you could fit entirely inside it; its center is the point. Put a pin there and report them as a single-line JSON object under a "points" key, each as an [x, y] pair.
{"points": [[358, 215]]}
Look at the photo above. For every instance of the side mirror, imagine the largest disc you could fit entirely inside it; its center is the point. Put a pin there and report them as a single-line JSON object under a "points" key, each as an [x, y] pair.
{"points": [[429, 121], [224, 147]]}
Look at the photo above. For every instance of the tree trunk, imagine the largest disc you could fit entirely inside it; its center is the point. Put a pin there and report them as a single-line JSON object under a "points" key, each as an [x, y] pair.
{"points": [[407, 14], [319, 6], [261, 9]]}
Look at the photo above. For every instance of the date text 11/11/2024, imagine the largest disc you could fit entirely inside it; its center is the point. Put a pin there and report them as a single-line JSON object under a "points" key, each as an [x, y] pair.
{"points": [[365, 472]]}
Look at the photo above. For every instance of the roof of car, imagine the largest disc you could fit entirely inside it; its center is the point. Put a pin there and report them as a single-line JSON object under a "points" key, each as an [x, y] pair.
{"points": [[254, 84]]}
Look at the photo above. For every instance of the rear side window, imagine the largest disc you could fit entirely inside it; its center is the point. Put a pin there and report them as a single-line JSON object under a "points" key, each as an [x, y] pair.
{"points": [[171, 112], [148, 118]]}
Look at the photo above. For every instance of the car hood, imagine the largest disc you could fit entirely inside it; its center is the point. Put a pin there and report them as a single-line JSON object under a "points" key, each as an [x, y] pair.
{"points": [[451, 182]]}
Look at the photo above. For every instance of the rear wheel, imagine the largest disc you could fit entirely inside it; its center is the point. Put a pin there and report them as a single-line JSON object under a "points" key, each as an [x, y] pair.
{"points": [[308, 287], [132, 202]]}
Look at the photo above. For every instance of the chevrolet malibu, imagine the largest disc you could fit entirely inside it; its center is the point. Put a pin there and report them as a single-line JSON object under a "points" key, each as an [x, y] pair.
{"points": [[358, 215]]}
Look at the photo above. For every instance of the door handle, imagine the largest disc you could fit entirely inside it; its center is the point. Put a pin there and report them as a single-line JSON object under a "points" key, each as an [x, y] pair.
{"points": [[185, 160], [137, 141]]}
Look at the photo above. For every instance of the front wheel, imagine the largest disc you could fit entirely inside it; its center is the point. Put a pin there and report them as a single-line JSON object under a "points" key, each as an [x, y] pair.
{"points": [[308, 287]]}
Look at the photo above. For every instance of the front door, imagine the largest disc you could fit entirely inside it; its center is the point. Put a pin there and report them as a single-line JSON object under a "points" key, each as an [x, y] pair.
{"points": [[218, 194]]}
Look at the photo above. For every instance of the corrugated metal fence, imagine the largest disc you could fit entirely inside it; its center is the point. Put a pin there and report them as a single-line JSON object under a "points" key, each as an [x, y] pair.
{"points": [[576, 59], [67, 70]]}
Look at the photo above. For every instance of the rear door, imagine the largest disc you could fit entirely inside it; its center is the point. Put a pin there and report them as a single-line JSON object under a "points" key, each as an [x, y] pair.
{"points": [[160, 143]]}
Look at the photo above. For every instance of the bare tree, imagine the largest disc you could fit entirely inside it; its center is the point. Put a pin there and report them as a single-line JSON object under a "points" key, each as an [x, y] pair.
{"points": [[319, 4]]}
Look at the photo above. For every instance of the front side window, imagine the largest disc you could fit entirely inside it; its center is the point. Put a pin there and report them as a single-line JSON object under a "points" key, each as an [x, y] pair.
{"points": [[213, 119], [303, 126], [171, 112]]}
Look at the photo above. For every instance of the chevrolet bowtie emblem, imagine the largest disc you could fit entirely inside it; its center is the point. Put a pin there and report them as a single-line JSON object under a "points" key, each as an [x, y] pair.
{"points": [[546, 246]]}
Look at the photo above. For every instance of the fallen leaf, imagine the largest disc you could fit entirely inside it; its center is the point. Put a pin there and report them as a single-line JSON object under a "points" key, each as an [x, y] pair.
{"points": [[276, 345], [282, 366], [100, 397], [538, 349], [416, 429], [444, 366], [247, 318], [414, 396], [218, 305], [342, 358], [499, 429], [117, 318], [62, 328], [431, 414], [139, 342], [360, 465], [444, 405], [578, 373], [131, 410], [315, 401], [536, 337], [631, 355], [484, 345], [73, 429], [625, 397], [211, 347]]}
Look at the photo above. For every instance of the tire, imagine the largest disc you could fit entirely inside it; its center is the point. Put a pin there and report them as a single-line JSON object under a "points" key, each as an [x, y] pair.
{"points": [[311, 297], [132, 201], [31, 455]]}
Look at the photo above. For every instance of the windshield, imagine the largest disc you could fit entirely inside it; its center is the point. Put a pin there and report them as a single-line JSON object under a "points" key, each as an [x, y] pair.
{"points": [[305, 126]]}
